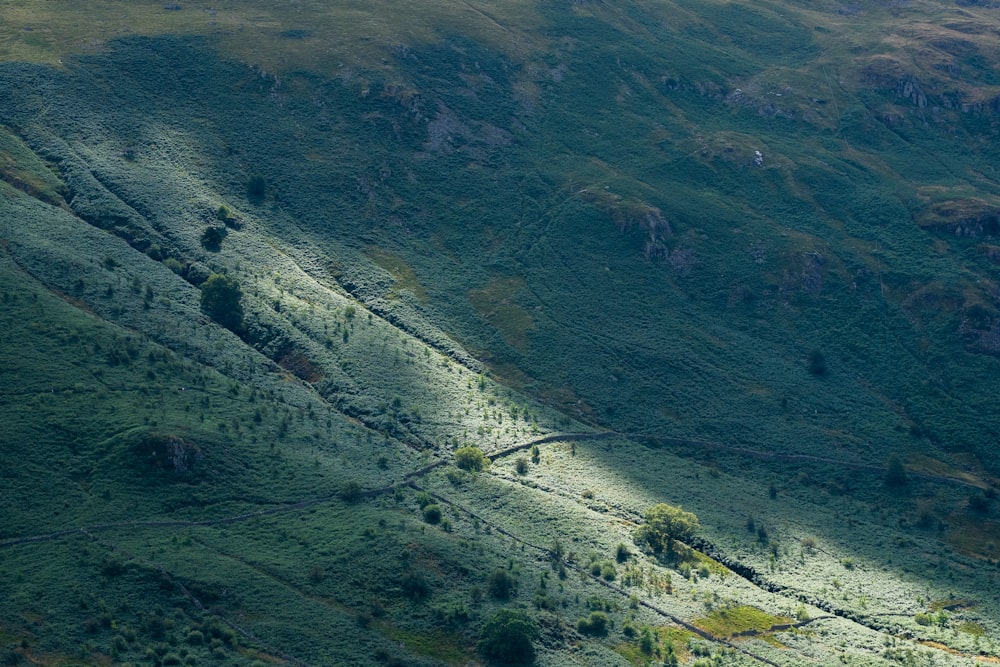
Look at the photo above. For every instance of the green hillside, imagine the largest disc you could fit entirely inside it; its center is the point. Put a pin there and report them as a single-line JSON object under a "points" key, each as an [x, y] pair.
{"points": [[365, 333]]}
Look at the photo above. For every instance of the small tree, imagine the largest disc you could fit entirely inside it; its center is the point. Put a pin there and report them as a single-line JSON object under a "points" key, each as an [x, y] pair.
{"points": [[507, 637], [596, 624], [471, 458], [500, 584], [665, 524], [432, 514], [256, 188], [816, 363], [220, 300], [895, 474], [212, 238]]}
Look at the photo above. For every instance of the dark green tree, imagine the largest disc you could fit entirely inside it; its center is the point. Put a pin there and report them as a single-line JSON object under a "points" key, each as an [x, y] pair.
{"points": [[816, 363], [895, 474], [500, 584], [256, 188], [221, 298], [507, 637], [212, 237]]}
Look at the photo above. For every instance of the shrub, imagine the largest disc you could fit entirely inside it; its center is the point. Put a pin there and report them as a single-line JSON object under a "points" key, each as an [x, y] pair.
{"points": [[507, 637], [220, 300], [432, 514], [415, 586], [663, 525], [816, 363], [211, 238], [500, 584], [256, 188], [979, 503], [521, 465], [596, 624], [471, 458], [350, 492], [622, 554], [895, 474]]}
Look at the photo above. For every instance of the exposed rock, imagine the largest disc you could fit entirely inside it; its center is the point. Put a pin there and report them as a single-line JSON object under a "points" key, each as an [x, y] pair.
{"points": [[812, 272], [963, 217], [168, 453]]}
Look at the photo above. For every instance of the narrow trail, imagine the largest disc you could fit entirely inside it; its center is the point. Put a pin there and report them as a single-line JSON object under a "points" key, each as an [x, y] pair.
{"points": [[585, 573], [280, 509], [410, 480]]}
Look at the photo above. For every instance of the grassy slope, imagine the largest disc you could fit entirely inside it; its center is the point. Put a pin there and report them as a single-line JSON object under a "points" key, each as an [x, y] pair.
{"points": [[392, 178]]}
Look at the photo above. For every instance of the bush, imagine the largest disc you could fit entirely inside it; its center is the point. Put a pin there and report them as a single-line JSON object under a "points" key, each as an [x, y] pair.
{"points": [[174, 265], [350, 492], [507, 637], [211, 238], [501, 584], [471, 458], [664, 524], [816, 363], [415, 586], [521, 465], [895, 474], [221, 300], [432, 514], [596, 624], [256, 188]]}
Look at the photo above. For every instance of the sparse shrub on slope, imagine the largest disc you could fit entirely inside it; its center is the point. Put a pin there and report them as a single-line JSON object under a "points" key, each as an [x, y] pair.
{"points": [[665, 524], [471, 458], [256, 188], [895, 474], [211, 238], [500, 584], [596, 624], [508, 638], [221, 300]]}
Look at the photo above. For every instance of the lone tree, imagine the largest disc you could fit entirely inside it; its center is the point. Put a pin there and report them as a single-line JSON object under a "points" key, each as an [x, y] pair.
{"points": [[507, 638], [665, 524], [256, 188], [816, 363], [895, 474], [211, 239], [220, 300], [471, 459]]}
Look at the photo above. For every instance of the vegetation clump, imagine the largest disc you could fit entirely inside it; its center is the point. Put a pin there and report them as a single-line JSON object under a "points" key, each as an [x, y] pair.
{"points": [[256, 188], [221, 299], [471, 459], [596, 624], [895, 474], [664, 525], [500, 584], [212, 237], [507, 637]]}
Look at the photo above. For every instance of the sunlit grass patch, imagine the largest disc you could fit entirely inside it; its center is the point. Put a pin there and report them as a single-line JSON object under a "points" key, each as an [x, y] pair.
{"points": [[445, 647], [742, 620], [495, 303], [401, 272]]}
